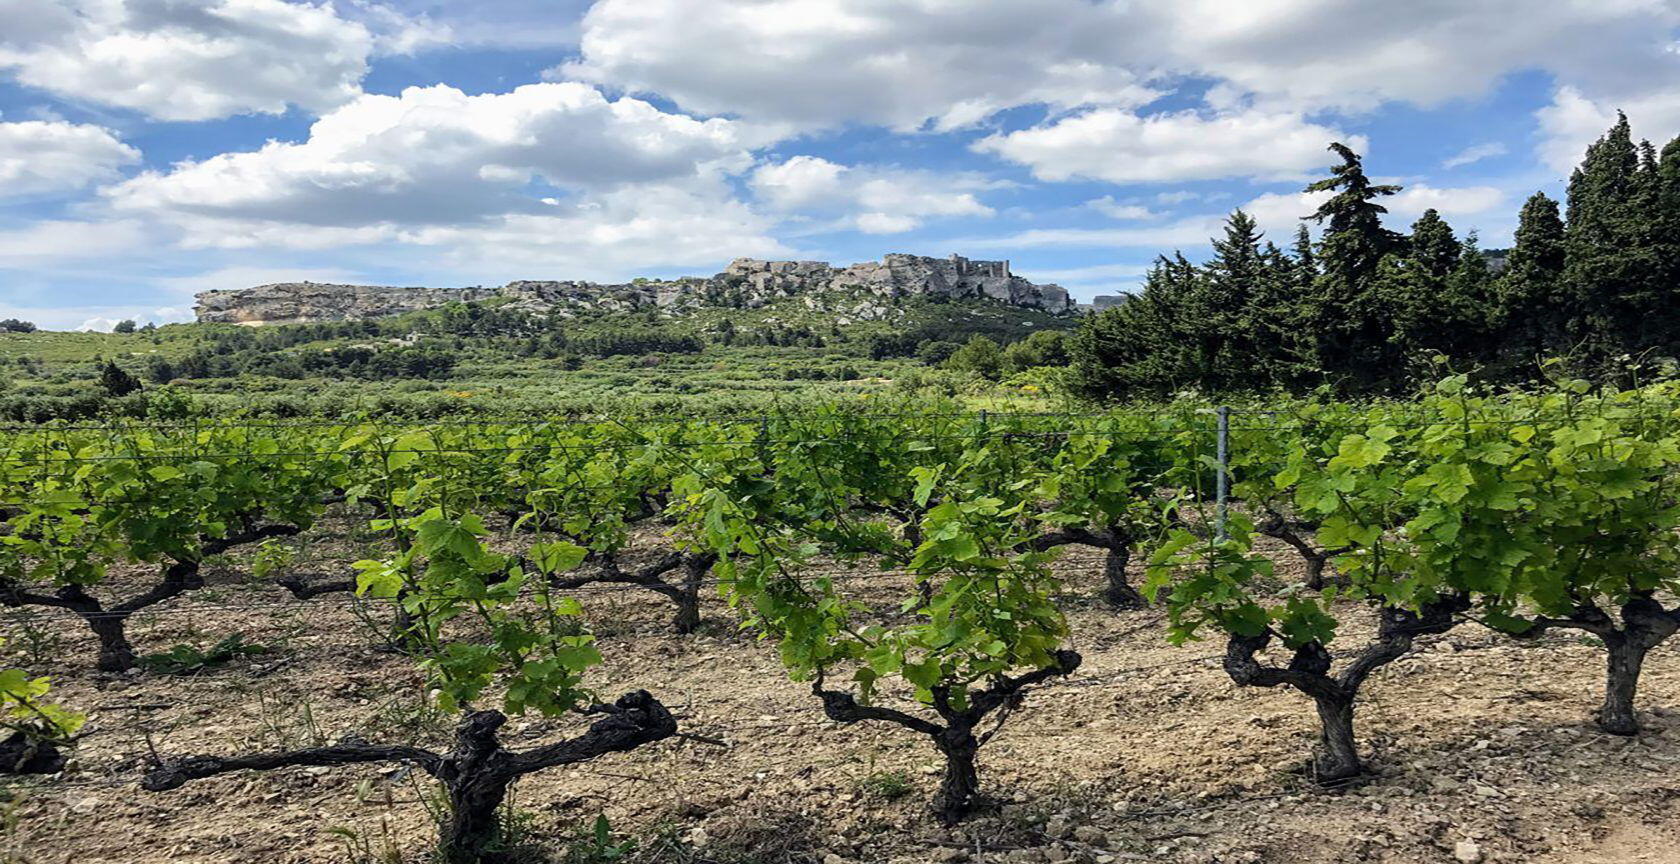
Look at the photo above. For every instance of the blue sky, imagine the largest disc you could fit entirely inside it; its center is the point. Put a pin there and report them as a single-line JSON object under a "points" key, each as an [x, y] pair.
{"points": [[150, 149]]}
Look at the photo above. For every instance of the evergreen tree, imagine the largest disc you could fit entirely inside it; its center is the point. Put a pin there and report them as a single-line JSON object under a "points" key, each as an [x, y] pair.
{"points": [[1610, 278], [1410, 283], [116, 381], [1250, 308], [1348, 317], [1362, 306], [1532, 312], [1140, 347], [1432, 246], [1464, 324]]}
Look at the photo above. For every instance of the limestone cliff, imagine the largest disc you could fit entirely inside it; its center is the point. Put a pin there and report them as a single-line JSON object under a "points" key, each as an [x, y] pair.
{"points": [[859, 292]]}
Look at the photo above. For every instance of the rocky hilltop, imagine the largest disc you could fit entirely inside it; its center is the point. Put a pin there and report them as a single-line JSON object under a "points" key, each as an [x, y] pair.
{"points": [[859, 292]]}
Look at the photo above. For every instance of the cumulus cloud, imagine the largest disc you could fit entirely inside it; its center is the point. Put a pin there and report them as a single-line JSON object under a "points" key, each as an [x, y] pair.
{"points": [[549, 178], [933, 64], [873, 200], [1120, 146], [42, 157], [1572, 121], [434, 156], [821, 63], [199, 59]]}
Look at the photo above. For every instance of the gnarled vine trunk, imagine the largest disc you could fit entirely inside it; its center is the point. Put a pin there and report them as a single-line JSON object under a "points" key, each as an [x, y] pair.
{"points": [[1118, 591], [959, 787], [1116, 542], [28, 754], [1336, 756], [110, 623], [476, 773], [1624, 661], [115, 652], [1645, 625]]}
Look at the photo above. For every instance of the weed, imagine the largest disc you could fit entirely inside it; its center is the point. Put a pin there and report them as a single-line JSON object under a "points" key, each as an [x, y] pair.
{"points": [[886, 785], [185, 659], [361, 849]]}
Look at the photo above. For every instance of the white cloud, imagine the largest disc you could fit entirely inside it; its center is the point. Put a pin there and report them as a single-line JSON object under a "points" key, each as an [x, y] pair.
{"points": [[1113, 209], [1572, 122], [1467, 207], [1122, 147], [1358, 54], [105, 323], [903, 64], [198, 59], [614, 236], [1475, 153], [1085, 276], [432, 156], [38, 157], [1188, 232], [548, 180], [873, 200], [886, 223], [1278, 215], [246, 276], [1462, 203], [57, 241]]}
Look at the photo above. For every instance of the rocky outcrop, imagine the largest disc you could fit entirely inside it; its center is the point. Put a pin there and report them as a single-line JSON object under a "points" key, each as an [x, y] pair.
{"points": [[302, 302], [859, 292]]}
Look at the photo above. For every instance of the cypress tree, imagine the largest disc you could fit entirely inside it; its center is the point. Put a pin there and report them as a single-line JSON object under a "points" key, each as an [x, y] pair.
{"points": [[1233, 345], [1145, 346], [1410, 283], [1608, 263], [1532, 313], [1432, 245], [1467, 305]]}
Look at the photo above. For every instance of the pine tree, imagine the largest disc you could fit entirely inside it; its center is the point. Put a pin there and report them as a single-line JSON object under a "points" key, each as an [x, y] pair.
{"points": [[1233, 276], [1664, 232], [1306, 262]]}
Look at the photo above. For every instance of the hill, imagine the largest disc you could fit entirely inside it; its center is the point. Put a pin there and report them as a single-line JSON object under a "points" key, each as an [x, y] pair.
{"points": [[759, 332]]}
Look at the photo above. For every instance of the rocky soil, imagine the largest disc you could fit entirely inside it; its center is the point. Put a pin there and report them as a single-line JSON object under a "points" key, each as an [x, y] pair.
{"points": [[1482, 749]]}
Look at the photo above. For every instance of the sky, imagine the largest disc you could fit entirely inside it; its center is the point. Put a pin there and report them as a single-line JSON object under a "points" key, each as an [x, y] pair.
{"points": [[152, 149]]}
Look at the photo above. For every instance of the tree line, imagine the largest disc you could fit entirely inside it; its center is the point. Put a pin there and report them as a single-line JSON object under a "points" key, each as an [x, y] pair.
{"points": [[1367, 310]]}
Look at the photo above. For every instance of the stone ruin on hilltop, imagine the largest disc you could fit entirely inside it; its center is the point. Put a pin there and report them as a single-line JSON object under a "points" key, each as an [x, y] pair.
{"points": [[857, 291]]}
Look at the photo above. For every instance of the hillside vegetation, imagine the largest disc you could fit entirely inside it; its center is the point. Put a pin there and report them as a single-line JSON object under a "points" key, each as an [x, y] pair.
{"points": [[485, 358]]}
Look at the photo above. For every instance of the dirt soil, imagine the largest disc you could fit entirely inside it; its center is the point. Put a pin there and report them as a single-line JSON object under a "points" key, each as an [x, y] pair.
{"points": [[1482, 749]]}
